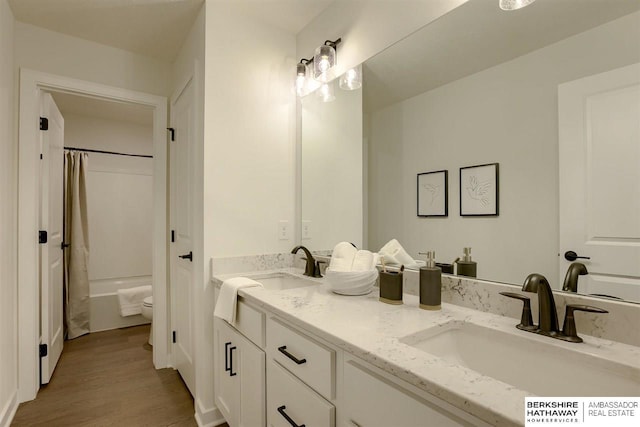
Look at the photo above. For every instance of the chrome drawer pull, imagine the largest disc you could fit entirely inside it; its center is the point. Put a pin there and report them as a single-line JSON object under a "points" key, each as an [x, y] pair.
{"points": [[287, 417], [284, 351]]}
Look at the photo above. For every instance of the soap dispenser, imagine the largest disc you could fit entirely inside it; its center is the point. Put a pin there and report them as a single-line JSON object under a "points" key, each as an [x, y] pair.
{"points": [[466, 267], [430, 284]]}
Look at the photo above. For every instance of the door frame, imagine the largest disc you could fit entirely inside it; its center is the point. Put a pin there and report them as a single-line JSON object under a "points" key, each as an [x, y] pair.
{"points": [[31, 83]]}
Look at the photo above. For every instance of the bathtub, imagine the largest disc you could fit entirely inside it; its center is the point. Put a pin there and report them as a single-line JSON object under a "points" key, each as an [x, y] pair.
{"points": [[103, 300]]}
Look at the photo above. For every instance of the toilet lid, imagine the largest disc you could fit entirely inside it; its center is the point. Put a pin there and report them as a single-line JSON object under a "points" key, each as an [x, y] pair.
{"points": [[147, 301]]}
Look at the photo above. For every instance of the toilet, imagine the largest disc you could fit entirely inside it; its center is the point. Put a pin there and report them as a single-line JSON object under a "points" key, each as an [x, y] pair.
{"points": [[147, 313]]}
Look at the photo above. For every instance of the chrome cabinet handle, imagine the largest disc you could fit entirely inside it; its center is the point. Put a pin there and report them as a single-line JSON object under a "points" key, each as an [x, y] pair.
{"points": [[572, 256], [284, 351], [287, 417]]}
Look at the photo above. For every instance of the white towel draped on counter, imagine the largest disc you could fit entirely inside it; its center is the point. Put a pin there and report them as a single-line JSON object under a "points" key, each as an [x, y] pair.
{"points": [[131, 299], [228, 297]]}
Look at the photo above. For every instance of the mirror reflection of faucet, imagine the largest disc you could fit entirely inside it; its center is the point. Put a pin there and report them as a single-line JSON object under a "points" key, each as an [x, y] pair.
{"points": [[571, 279], [547, 314]]}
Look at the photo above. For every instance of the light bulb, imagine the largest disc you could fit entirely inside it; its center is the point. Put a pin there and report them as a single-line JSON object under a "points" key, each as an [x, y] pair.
{"points": [[326, 93], [301, 78], [323, 60], [514, 4], [351, 79]]}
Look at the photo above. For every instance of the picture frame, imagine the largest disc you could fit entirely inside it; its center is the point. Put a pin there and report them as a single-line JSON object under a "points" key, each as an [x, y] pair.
{"points": [[479, 190], [433, 194]]}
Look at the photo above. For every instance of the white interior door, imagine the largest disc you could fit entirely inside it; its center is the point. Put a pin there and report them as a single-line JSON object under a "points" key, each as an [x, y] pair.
{"points": [[599, 131], [51, 221], [182, 201]]}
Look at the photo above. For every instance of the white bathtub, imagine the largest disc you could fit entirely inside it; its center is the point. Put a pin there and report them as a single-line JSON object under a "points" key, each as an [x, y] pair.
{"points": [[103, 297]]}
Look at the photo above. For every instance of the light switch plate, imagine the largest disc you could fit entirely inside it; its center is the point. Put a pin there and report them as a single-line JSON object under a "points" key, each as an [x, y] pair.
{"points": [[283, 230], [306, 230]]}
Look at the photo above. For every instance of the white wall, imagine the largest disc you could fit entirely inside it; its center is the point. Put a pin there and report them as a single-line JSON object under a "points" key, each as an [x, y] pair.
{"points": [[332, 172], [506, 114], [56, 53], [249, 163], [120, 191], [368, 27], [8, 223]]}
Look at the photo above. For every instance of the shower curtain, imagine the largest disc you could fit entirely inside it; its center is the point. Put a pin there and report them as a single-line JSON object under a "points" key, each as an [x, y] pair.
{"points": [[76, 256]]}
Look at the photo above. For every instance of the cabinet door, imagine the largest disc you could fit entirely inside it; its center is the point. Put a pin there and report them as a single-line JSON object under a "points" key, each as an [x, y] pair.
{"points": [[239, 377], [371, 400], [227, 384]]}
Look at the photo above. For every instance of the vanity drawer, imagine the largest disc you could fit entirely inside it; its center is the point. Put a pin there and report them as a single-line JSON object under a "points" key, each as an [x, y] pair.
{"points": [[250, 322], [306, 358], [288, 397]]}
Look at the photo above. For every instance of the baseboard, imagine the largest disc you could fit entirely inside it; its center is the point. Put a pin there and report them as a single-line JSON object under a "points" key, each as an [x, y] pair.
{"points": [[9, 410], [210, 417]]}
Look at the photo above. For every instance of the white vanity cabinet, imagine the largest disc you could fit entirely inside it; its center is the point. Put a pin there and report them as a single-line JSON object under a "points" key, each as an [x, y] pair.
{"points": [[300, 378], [240, 372], [373, 398]]}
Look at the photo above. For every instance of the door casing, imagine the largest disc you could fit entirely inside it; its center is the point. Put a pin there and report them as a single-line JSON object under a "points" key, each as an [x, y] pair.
{"points": [[31, 84]]}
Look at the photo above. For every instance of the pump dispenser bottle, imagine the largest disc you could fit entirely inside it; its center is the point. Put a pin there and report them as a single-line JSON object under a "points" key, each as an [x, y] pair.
{"points": [[430, 284], [466, 267]]}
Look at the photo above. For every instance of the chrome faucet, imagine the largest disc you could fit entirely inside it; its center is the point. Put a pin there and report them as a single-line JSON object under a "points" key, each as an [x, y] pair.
{"points": [[547, 315], [571, 279], [312, 268]]}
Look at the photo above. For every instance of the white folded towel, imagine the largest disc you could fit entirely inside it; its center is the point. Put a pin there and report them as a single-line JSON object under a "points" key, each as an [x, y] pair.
{"points": [[394, 253], [228, 297], [342, 257], [131, 299], [364, 261]]}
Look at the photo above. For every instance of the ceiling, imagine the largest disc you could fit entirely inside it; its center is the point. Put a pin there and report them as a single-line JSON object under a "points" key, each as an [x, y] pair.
{"points": [[475, 36], [103, 109], [155, 28]]}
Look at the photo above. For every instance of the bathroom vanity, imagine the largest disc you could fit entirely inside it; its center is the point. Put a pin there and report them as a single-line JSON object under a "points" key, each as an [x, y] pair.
{"points": [[301, 355]]}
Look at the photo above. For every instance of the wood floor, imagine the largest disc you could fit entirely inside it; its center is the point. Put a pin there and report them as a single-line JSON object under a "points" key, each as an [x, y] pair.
{"points": [[108, 379]]}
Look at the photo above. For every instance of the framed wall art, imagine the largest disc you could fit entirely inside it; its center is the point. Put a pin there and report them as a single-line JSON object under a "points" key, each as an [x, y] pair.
{"points": [[433, 193], [479, 190]]}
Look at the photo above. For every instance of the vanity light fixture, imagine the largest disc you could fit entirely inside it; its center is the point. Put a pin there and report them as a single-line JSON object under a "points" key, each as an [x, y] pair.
{"points": [[326, 92], [302, 72], [352, 79], [514, 4], [324, 59]]}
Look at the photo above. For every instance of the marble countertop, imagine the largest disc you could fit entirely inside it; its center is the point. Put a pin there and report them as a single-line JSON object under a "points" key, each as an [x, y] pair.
{"points": [[372, 330]]}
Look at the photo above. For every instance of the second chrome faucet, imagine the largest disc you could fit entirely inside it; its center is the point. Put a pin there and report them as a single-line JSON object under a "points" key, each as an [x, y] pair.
{"points": [[547, 313]]}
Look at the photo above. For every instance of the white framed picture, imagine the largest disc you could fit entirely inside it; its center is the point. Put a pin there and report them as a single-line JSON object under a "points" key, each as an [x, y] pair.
{"points": [[433, 193], [479, 190]]}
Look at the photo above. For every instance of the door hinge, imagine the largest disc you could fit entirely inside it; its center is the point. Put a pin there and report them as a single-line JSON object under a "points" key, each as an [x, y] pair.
{"points": [[42, 236], [43, 350], [174, 337], [44, 123], [172, 131], [173, 236]]}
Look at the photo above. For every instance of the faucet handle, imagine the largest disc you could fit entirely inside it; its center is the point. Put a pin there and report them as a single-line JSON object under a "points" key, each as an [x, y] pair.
{"points": [[526, 320], [569, 326]]}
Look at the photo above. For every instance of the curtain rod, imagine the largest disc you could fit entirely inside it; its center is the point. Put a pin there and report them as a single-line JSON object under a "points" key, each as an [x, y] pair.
{"points": [[108, 152]]}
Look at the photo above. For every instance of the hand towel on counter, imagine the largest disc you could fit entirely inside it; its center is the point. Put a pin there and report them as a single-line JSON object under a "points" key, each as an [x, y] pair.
{"points": [[228, 297], [131, 299], [394, 253], [342, 257]]}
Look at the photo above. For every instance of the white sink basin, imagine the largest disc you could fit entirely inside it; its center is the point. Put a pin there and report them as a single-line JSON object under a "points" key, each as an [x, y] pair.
{"points": [[281, 281], [532, 365]]}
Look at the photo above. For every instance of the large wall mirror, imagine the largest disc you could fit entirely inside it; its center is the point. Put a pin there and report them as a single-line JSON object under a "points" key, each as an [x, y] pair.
{"points": [[550, 92]]}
